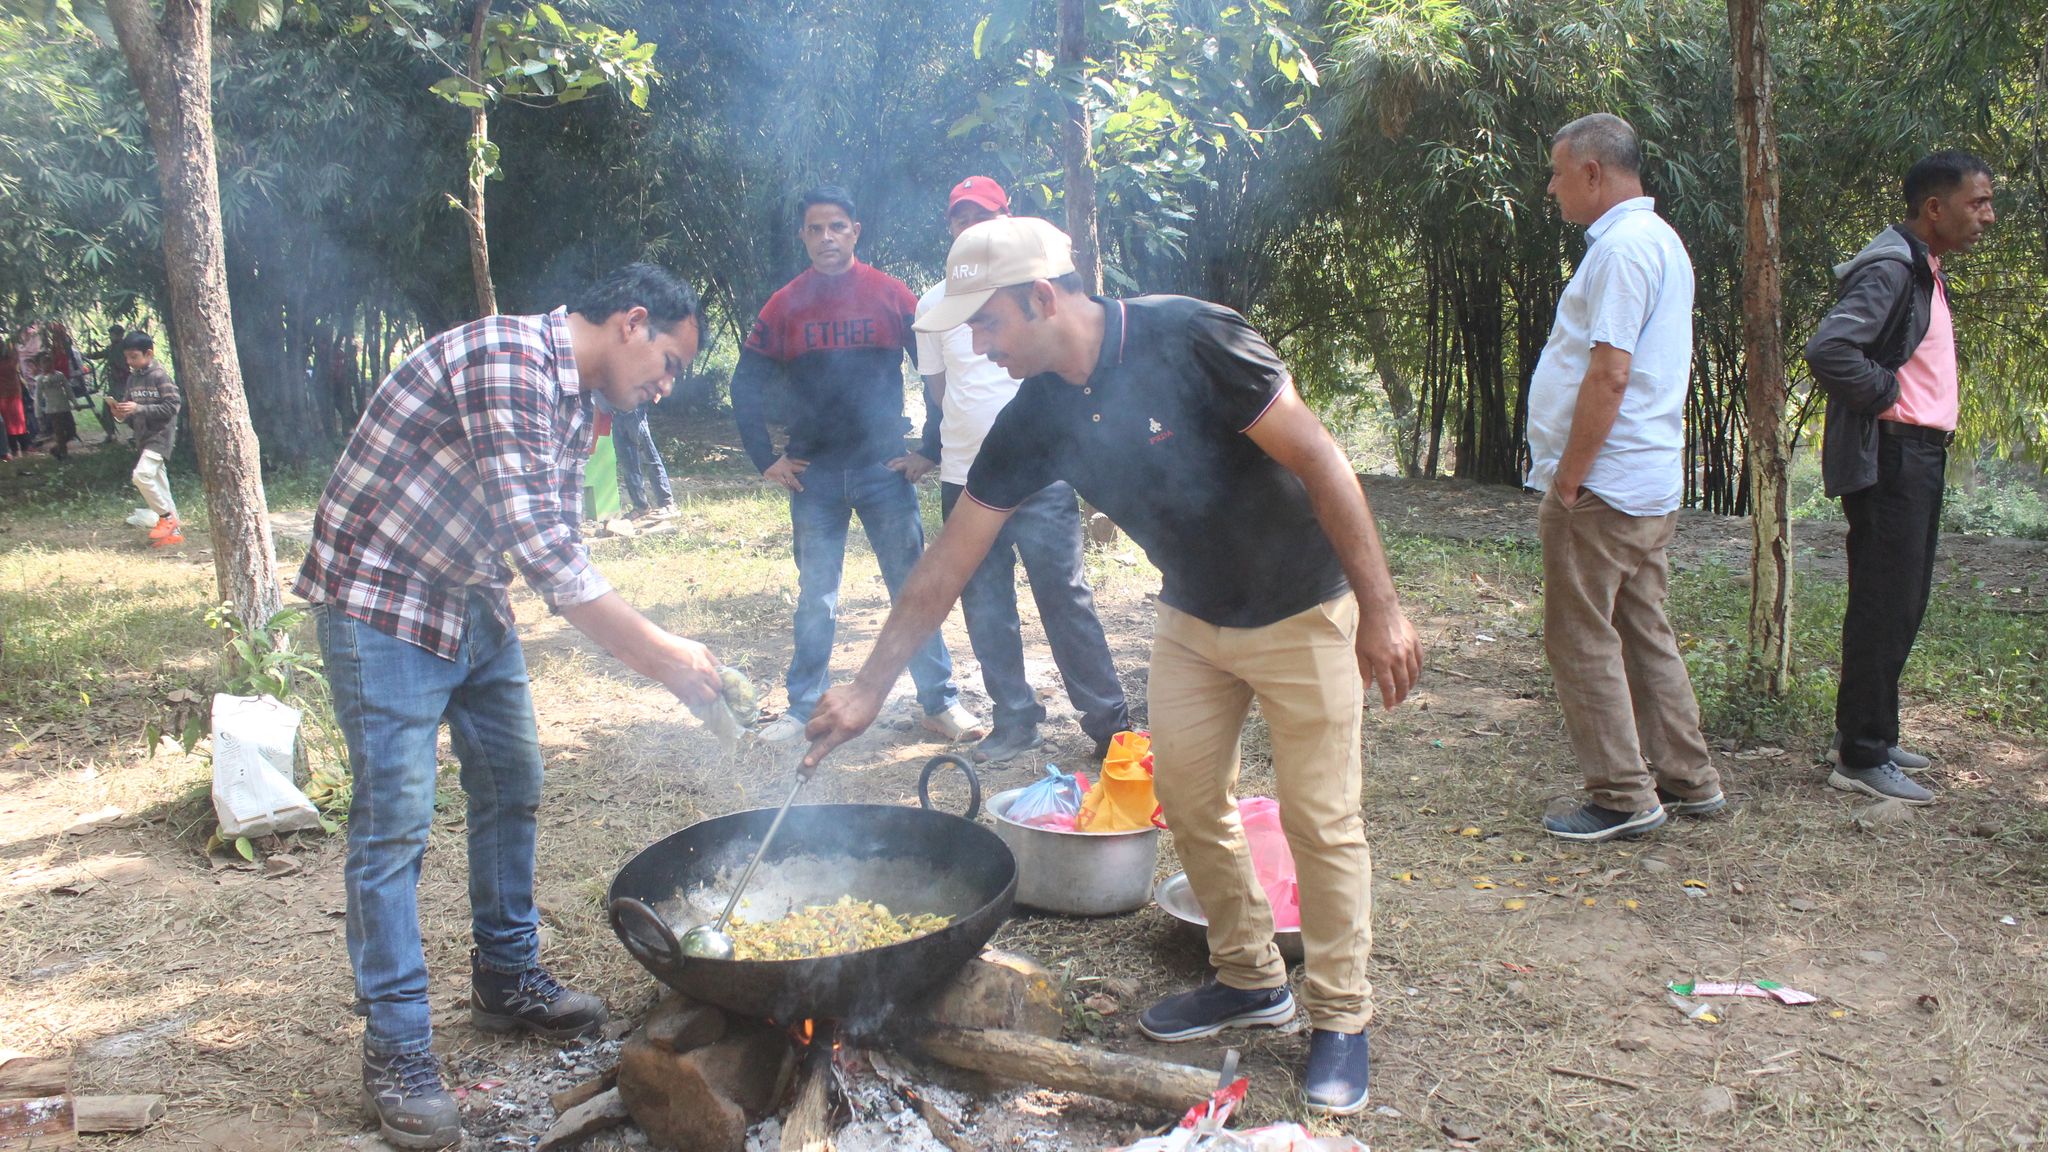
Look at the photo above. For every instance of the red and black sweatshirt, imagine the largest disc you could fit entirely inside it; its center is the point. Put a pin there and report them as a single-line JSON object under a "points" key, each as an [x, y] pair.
{"points": [[839, 343]]}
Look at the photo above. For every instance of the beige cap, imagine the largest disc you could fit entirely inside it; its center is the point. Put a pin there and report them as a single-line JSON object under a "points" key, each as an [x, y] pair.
{"points": [[996, 254]]}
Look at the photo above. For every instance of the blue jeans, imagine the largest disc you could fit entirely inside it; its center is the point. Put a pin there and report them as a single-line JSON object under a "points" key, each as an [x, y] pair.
{"points": [[1045, 531], [819, 515], [390, 698], [634, 446]]}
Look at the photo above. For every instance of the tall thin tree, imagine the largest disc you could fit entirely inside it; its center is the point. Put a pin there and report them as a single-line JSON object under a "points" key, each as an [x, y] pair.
{"points": [[170, 60], [1077, 146], [1770, 564]]}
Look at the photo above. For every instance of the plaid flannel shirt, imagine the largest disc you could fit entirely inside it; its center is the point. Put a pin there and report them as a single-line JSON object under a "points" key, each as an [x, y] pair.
{"points": [[471, 449]]}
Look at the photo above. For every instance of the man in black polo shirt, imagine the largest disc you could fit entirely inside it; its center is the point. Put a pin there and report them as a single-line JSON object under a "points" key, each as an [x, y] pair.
{"points": [[1175, 418]]}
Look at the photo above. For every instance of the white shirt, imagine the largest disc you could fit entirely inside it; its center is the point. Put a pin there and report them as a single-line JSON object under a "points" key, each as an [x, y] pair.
{"points": [[1633, 291], [976, 390]]}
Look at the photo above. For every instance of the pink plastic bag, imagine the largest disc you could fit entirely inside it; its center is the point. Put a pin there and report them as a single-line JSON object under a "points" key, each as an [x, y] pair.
{"points": [[1272, 859]]}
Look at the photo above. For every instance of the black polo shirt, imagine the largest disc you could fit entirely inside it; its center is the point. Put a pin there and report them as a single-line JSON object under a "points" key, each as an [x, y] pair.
{"points": [[1156, 439]]}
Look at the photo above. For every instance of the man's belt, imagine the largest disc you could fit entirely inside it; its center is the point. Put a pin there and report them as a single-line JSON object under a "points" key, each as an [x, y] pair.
{"points": [[1917, 432]]}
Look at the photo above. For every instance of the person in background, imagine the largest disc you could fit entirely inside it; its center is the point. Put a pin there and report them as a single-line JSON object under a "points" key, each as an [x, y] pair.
{"points": [[13, 419], [53, 402], [836, 335], [1045, 531], [633, 443], [1886, 357], [151, 413], [1606, 447]]}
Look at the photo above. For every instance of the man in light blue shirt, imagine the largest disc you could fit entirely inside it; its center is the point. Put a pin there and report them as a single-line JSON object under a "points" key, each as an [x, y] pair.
{"points": [[1606, 445]]}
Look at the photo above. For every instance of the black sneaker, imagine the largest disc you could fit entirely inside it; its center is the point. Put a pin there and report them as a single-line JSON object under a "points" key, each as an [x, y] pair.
{"points": [[1213, 1007], [532, 1000], [1592, 823], [1904, 760], [1339, 1064], [1704, 806], [1004, 743], [1885, 782], [405, 1096]]}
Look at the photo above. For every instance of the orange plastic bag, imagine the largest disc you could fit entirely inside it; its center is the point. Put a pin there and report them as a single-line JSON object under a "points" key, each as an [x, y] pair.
{"points": [[1122, 799]]}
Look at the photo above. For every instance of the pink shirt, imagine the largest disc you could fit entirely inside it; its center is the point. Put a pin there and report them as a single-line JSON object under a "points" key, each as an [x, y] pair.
{"points": [[1927, 382]]}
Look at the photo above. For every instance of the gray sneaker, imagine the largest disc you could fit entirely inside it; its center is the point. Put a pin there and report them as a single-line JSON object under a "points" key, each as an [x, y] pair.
{"points": [[1907, 761], [405, 1096], [1885, 782]]}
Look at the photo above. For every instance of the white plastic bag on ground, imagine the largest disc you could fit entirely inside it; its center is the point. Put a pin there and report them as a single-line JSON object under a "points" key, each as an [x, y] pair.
{"points": [[142, 518], [253, 794]]}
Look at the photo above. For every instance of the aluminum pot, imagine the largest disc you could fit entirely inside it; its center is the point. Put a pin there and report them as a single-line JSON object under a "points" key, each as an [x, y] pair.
{"points": [[1078, 873]]}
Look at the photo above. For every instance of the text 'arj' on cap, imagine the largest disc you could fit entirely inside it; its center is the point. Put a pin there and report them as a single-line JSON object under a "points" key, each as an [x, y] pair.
{"points": [[997, 254]]}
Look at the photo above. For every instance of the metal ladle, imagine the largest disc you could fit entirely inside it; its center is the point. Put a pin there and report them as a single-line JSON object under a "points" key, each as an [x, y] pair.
{"points": [[710, 941]]}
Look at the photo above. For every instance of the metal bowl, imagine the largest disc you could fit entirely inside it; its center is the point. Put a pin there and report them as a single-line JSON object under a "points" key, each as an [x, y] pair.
{"points": [[1178, 900]]}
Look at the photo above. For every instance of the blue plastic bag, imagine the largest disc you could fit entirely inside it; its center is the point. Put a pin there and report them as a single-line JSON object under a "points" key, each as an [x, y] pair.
{"points": [[1052, 802]]}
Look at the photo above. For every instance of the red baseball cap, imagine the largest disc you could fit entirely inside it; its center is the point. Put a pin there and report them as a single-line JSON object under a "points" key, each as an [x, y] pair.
{"points": [[980, 190]]}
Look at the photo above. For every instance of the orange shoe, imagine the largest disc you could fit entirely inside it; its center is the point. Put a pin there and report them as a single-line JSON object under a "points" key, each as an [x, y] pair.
{"points": [[165, 526]]}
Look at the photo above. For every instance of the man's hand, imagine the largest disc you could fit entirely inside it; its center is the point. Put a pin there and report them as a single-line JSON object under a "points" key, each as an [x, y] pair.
{"points": [[911, 465], [843, 713], [785, 472], [1389, 653], [1567, 495], [687, 669], [122, 409]]}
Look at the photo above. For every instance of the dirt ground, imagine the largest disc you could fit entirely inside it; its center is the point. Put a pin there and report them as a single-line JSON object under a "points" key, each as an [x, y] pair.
{"points": [[1519, 985]]}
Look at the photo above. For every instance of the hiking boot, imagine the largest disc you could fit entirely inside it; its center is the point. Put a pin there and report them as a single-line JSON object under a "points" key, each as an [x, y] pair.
{"points": [[532, 1000], [1338, 1066], [405, 1096], [955, 724], [1005, 743], [1592, 824], [1885, 782], [1211, 1008], [1704, 806], [1906, 761]]}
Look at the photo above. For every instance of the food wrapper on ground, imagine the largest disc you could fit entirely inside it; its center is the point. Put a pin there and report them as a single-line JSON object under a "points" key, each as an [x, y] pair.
{"points": [[847, 925], [1273, 1138], [1052, 802], [1758, 989], [1122, 801]]}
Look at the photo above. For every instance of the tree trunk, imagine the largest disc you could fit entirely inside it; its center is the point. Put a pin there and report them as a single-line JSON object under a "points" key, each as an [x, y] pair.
{"points": [[1077, 149], [479, 168], [1770, 563], [171, 64]]}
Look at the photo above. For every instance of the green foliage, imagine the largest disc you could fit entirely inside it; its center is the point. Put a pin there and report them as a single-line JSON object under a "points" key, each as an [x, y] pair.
{"points": [[260, 660]]}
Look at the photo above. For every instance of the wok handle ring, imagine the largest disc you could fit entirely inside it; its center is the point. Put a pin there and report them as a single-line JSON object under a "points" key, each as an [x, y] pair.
{"points": [[629, 917], [924, 782]]}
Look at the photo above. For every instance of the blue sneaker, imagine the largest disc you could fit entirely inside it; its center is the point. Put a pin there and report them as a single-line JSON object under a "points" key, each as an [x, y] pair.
{"points": [[1338, 1066], [1213, 1007], [1592, 824]]}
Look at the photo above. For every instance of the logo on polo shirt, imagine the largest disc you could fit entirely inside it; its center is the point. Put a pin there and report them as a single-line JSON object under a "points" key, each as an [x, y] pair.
{"points": [[1160, 432]]}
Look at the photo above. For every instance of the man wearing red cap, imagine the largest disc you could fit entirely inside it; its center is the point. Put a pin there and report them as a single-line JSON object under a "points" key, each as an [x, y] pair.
{"points": [[1045, 531]]}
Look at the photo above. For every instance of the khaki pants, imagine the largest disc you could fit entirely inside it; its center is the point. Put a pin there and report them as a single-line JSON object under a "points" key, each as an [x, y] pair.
{"points": [[1622, 685], [1304, 672], [152, 479]]}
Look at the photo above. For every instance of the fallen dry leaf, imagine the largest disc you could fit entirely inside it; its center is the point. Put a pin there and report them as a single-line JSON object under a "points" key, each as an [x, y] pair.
{"points": [[1483, 884], [1693, 884], [1514, 905]]}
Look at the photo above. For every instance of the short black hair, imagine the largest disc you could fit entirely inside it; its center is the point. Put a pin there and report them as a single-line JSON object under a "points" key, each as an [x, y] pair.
{"points": [[1938, 174], [668, 300], [138, 341], [825, 194]]}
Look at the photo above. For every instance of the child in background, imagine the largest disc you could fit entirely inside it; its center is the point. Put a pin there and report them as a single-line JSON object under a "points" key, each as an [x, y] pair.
{"points": [[151, 412]]}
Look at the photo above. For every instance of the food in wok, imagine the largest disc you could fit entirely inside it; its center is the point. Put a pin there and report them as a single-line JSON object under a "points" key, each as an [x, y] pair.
{"points": [[846, 925]]}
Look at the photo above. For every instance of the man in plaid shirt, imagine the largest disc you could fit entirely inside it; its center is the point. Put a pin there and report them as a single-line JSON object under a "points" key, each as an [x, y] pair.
{"points": [[473, 449]]}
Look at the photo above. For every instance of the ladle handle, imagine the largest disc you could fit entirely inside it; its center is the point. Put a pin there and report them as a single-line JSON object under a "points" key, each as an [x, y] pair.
{"points": [[629, 918], [725, 917]]}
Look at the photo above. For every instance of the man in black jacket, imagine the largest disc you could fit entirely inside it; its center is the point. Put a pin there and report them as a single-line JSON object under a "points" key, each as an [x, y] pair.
{"points": [[1886, 356]]}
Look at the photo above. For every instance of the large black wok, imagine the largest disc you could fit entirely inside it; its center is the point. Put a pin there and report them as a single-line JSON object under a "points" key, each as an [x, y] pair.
{"points": [[913, 860]]}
